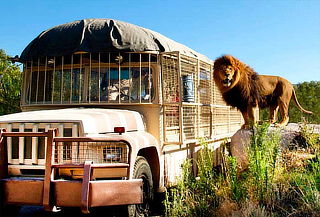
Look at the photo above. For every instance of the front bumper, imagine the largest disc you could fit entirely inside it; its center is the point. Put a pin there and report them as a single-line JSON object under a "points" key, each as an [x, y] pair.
{"points": [[72, 193], [51, 190]]}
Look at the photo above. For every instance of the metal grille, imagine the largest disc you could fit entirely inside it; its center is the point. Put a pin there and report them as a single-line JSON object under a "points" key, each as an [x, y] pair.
{"points": [[189, 67], [32, 150], [98, 152], [207, 115], [221, 120], [205, 80], [170, 77], [172, 123], [217, 96], [90, 77], [235, 118], [205, 121], [190, 122]]}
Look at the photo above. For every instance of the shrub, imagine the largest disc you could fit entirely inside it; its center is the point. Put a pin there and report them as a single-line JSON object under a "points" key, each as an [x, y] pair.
{"points": [[195, 196], [238, 190]]}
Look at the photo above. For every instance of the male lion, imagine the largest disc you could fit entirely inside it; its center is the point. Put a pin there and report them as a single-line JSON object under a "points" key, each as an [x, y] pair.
{"points": [[243, 88]]}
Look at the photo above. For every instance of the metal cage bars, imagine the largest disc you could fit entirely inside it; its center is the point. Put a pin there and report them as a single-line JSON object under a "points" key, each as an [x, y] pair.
{"points": [[62, 76], [66, 150], [207, 116]]}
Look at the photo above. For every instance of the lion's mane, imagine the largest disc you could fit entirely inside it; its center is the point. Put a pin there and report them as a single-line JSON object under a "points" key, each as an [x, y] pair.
{"points": [[246, 89]]}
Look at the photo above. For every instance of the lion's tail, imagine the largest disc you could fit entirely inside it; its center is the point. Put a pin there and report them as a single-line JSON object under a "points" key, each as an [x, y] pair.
{"points": [[297, 103]]}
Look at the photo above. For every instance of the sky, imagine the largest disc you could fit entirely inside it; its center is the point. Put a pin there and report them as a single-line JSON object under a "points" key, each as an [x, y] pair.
{"points": [[275, 37]]}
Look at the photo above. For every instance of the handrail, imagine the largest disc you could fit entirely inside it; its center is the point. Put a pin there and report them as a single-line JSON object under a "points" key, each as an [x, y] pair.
{"points": [[24, 134], [82, 139], [104, 165], [3, 133]]}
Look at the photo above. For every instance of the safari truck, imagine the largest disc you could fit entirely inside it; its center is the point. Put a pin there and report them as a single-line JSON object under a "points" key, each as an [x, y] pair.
{"points": [[110, 111]]}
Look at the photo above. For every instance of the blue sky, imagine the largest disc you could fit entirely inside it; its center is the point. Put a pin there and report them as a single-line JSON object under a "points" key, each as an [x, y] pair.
{"points": [[275, 37]]}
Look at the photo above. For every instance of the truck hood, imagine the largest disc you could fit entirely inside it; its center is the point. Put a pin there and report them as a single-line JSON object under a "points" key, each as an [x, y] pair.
{"points": [[93, 121]]}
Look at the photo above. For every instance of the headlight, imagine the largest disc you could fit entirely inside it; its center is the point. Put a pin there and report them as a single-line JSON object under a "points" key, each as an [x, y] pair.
{"points": [[112, 154]]}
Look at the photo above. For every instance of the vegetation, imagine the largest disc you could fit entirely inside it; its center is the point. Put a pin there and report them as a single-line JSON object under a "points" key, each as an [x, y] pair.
{"points": [[273, 184], [195, 196], [309, 98], [10, 85]]}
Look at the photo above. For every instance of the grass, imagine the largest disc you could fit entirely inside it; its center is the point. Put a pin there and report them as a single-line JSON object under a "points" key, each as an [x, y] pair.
{"points": [[271, 186], [195, 195]]}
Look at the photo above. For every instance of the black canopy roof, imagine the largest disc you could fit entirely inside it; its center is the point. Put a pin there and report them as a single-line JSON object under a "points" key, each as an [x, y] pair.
{"points": [[100, 35]]}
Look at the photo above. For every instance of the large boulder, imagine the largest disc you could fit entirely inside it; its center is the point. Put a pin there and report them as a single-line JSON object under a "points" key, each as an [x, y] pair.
{"points": [[239, 145], [290, 139]]}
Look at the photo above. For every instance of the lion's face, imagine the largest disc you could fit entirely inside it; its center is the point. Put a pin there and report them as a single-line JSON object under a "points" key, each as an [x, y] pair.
{"points": [[226, 74]]}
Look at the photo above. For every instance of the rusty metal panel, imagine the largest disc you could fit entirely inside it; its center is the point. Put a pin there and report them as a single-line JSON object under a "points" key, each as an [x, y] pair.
{"points": [[67, 193], [101, 193], [18, 191], [109, 193]]}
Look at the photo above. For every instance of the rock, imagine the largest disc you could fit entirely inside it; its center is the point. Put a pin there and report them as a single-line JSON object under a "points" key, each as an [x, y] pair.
{"points": [[240, 142], [239, 145]]}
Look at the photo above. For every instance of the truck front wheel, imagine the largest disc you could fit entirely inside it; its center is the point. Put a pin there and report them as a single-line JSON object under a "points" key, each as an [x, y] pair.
{"points": [[142, 171]]}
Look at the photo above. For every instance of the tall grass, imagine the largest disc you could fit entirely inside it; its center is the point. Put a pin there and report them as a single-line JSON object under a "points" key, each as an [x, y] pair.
{"points": [[263, 155], [269, 187], [238, 190]]}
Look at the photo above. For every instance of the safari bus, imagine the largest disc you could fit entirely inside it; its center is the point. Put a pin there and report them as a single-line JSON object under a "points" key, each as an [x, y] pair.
{"points": [[110, 111]]}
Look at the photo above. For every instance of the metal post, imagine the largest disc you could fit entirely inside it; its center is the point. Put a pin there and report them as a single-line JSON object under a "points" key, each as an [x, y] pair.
{"points": [[48, 172], [71, 79], [61, 82], [30, 86], [37, 90], [85, 187], [45, 80], [99, 80]]}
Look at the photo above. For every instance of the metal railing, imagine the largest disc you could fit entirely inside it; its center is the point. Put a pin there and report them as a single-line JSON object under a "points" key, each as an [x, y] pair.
{"points": [[31, 150], [69, 150], [54, 163]]}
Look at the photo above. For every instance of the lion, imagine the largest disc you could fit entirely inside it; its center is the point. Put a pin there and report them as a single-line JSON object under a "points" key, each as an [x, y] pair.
{"points": [[245, 89]]}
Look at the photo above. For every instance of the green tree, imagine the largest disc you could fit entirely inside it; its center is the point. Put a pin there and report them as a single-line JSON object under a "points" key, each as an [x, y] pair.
{"points": [[308, 94], [10, 85]]}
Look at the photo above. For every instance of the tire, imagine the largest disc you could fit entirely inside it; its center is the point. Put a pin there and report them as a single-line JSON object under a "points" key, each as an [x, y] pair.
{"points": [[142, 171]]}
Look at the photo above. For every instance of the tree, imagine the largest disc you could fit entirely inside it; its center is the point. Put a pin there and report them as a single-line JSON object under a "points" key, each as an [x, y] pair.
{"points": [[309, 98], [10, 85]]}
